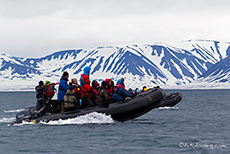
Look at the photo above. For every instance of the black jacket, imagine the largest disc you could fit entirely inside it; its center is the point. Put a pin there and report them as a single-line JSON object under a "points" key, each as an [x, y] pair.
{"points": [[40, 93]]}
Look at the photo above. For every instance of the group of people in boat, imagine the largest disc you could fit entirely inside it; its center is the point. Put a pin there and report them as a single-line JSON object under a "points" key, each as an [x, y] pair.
{"points": [[72, 96]]}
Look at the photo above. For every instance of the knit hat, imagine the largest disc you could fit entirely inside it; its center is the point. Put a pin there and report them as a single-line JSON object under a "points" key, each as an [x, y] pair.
{"points": [[144, 88], [95, 84], [47, 83], [107, 80], [41, 83], [104, 83], [65, 73]]}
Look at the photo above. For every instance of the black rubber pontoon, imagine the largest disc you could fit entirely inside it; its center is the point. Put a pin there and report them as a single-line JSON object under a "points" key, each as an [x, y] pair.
{"points": [[120, 111], [170, 100]]}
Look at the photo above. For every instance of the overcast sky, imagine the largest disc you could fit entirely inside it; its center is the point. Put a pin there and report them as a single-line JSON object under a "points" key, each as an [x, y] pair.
{"points": [[35, 28]]}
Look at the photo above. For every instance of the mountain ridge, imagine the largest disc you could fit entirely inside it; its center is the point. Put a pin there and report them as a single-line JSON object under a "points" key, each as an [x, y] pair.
{"points": [[174, 65]]}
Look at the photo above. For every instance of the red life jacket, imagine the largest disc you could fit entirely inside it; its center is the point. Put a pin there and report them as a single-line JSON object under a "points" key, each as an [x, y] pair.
{"points": [[49, 91], [85, 89], [109, 89]]}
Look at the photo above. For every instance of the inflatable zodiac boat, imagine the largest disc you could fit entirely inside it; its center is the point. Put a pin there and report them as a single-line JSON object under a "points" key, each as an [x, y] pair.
{"points": [[119, 111]]}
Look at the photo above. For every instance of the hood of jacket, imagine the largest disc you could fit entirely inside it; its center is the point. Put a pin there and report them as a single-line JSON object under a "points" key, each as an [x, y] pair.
{"points": [[107, 80], [86, 70], [118, 81], [121, 81]]}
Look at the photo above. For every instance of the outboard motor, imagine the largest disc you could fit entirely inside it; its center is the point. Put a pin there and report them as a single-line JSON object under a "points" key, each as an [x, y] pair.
{"points": [[27, 113], [22, 115]]}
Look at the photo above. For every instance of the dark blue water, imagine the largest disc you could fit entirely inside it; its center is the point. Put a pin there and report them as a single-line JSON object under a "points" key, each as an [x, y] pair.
{"points": [[198, 124]]}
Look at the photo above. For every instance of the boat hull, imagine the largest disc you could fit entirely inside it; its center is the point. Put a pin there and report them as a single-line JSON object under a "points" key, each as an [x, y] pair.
{"points": [[119, 111]]}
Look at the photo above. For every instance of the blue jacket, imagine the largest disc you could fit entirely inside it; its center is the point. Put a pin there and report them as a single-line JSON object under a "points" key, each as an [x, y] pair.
{"points": [[120, 94], [85, 72], [62, 88]]}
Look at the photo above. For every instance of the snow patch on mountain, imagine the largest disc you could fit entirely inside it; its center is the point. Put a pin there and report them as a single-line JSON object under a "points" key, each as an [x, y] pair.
{"points": [[188, 64]]}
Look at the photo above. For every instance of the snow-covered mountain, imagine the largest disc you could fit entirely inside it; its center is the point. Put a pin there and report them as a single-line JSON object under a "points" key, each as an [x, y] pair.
{"points": [[170, 65]]}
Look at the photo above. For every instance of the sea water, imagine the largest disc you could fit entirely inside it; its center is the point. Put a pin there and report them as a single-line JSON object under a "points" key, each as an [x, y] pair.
{"points": [[198, 124]]}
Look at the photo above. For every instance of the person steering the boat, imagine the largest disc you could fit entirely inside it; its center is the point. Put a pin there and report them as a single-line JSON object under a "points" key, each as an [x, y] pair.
{"points": [[120, 93], [40, 95]]}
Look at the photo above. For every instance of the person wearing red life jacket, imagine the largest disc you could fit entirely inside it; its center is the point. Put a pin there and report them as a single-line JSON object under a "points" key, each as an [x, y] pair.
{"points": [[110, 88], [49, 90], [95, 86], [77, 88], [86, 91], [86, 71]]}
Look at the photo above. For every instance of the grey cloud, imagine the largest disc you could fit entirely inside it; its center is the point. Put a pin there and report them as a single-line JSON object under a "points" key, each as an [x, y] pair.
{"points": [[35, 28]]}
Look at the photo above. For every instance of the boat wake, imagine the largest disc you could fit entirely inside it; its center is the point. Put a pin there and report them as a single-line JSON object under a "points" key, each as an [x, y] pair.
{"points": [[168, 108], [10, 120], [13, 111], [7, 120], [23, 123], [91, 118]]}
